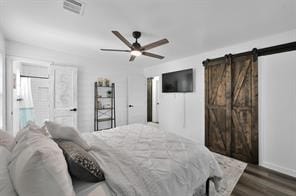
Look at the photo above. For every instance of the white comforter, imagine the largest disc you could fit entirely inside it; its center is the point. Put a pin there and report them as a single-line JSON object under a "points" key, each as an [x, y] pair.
{"points": [[141, 160]]}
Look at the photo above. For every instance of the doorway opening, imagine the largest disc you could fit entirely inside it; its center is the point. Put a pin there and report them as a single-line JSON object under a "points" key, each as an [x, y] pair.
{"points": [[153, 92], [38, 91], [30, 94]]}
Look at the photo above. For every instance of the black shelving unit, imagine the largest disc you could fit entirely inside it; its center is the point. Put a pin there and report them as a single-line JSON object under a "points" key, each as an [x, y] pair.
{"points": [[104, 117]]}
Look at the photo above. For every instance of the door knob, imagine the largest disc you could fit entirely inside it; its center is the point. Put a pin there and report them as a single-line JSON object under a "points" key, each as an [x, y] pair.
{"points": [[73, 110], [130, 106]]}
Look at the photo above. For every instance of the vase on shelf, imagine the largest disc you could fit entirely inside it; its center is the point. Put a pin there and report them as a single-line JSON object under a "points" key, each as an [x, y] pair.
{"points": [[100, 81], [106, 82]]}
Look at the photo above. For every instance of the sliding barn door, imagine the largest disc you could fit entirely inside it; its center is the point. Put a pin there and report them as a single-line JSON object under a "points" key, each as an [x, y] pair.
{"points": [[217, 95], [244, 111], [231, 107]]}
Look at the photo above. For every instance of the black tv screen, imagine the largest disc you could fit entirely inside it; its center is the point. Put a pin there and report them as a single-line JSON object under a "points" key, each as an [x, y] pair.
{"points": [[179, 81]]}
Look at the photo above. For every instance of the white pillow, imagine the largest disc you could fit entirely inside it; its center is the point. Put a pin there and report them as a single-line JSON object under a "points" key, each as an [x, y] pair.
{"points": [[7, 140], [38, 167], [31, 126], [67, 133], [6, 188]]}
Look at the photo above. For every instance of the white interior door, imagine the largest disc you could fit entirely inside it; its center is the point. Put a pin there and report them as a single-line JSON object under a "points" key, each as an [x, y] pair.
{"points": [[155, 99], [64, 89], [137, 99]]}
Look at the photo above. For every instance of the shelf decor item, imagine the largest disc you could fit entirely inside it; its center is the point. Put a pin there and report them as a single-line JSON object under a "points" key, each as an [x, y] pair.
{"points": [[106, 82], [100, 81], [104, 110], [109, 93]]}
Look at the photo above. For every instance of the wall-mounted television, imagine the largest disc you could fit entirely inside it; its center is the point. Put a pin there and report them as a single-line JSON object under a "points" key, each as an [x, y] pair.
{"points": [[179, 81]]}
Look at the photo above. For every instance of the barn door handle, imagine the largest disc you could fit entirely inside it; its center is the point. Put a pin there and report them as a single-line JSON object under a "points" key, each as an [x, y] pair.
{"points": [[130, 106], [73, 110]]}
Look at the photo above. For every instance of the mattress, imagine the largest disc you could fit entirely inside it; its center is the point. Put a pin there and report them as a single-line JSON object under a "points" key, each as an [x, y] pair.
{"points": [[91, 189], [141, 160]]}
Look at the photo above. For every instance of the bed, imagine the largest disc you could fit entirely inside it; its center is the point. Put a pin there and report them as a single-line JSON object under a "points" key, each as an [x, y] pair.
{"points": [[144, 160]]}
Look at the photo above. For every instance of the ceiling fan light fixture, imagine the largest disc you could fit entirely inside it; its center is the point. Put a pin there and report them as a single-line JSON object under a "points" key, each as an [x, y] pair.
{"points": [[136, 53], [135, 48]]}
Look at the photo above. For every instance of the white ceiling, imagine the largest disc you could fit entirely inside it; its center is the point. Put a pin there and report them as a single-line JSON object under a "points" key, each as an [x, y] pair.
{"points": [[191, 26]]}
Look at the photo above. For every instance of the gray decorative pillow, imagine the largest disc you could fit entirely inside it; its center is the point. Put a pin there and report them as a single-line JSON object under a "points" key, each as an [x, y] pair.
{"points": [[81, 164]]}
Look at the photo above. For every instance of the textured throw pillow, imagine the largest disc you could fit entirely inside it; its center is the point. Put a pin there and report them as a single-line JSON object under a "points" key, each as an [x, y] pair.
{"points": [[31, 126], [7, 140], [81, 164], [6, 188], [66, 133], [38, 167]]}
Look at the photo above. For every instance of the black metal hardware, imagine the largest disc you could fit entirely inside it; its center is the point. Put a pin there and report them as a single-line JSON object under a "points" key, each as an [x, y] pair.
{"points": [[262, 52], [73, 110], [208, 186], [19, 99], [37, 77], [130, 106]]}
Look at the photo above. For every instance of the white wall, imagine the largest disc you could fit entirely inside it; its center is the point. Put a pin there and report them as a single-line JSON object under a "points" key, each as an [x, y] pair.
{"points": [[2, 42], [88, 72], [2, 71], [184, 113], [277, 115]]}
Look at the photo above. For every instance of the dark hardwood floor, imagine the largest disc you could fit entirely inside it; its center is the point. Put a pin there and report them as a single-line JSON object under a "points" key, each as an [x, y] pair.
{"points": [[259, 181]]}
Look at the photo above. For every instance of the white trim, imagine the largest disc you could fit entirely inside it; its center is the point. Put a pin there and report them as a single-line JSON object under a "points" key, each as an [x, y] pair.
{"points": [[9, 94], [261, 145], [287, 171], [30, 60], [3, 112]]}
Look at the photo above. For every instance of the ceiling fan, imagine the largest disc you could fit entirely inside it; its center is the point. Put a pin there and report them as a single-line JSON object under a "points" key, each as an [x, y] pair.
{"points": [[136, 49]]}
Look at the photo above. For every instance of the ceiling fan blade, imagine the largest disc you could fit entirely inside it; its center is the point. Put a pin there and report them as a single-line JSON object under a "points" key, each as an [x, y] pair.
{"points": [[115, 50], [132, 58], [155, 44], [153, 55], [117, 34]]}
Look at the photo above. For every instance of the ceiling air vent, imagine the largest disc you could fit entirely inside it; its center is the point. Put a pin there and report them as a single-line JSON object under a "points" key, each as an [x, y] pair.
{"points": [[74, 6]]}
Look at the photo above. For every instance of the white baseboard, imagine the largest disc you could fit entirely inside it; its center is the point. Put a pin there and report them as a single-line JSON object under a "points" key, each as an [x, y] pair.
{"points": [[287, 171]]}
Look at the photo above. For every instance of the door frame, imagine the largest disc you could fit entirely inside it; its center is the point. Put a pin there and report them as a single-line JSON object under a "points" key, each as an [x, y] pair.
{"points": [[3, 102], [10, 60], [149, 99]]}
